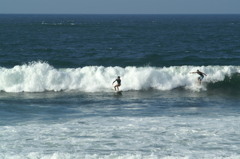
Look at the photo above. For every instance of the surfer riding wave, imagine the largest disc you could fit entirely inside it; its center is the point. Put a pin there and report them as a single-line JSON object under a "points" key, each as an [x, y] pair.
{"points": [[118, 80], [201, 75]]}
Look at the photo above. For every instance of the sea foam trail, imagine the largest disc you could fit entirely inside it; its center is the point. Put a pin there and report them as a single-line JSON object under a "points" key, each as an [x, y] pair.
{"points": [[40, 77]]}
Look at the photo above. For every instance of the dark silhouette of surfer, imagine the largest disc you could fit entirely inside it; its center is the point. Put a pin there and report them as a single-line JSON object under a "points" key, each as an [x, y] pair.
{"points": [[118, 80]]}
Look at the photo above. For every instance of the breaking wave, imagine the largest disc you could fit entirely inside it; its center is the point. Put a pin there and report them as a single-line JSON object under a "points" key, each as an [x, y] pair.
{"points": [[40, 77]]}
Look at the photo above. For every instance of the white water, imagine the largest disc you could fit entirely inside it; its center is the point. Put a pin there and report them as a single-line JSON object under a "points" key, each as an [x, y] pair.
{"points": [[40, 76], [106, 126], [124, 138]]}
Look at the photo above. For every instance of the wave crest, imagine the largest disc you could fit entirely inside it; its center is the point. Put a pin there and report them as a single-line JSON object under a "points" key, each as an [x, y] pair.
{"points": [[40, 77]]}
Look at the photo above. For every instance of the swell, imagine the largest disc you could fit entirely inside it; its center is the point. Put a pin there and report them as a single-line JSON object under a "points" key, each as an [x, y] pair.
{"points": [[230, 84]]}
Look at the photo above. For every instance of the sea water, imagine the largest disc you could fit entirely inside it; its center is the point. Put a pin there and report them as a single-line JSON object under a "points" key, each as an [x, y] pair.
{"points": [[57, 98]]}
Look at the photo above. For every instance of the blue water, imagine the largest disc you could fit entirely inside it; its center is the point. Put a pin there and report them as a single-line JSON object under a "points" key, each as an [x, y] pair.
{"points": [[57, 98]]}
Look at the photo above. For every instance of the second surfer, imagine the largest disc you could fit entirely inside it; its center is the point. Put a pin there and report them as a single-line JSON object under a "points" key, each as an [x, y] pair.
{"points": [[201, 75]]}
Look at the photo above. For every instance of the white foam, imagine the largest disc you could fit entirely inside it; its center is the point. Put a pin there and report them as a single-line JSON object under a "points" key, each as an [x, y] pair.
{"points": [[124, 137], [40, 76]]}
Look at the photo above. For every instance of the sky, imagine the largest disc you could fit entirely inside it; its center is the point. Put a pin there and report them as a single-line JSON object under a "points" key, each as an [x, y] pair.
{"points": [[119, 6]]}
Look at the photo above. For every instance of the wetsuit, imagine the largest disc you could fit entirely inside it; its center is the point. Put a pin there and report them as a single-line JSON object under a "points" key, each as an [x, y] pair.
{"points": [[118, 81], [201, 75]]}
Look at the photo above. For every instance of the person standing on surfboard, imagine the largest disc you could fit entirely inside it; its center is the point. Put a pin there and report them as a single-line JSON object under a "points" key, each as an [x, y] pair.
{"points": [[201, 76], [118, 83]]}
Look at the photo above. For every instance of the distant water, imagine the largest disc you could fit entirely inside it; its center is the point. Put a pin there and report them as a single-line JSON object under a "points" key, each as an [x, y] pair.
{"points": [[57, 98]]}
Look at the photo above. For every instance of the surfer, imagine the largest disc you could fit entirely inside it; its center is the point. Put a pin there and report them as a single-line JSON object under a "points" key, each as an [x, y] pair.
{"points": [[201, 76], [118, 83]]}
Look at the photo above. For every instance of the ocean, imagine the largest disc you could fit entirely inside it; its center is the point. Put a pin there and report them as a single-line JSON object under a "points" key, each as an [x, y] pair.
{"points": [[57, 99]]}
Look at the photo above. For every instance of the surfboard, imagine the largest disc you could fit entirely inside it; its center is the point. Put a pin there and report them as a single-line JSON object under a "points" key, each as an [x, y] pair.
{"points": [[116, 90]]}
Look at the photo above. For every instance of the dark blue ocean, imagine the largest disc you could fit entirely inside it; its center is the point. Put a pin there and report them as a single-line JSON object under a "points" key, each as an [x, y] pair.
{"points": [[57, 99]]}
